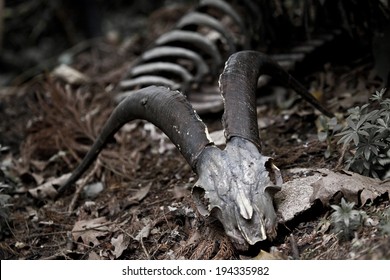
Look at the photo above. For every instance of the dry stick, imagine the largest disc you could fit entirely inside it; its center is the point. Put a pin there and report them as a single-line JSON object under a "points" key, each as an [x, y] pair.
{"points": [[341, 159], [55, 256], [144, 248], [82, 185], [97, 227], [69, 241], [294, 247]]}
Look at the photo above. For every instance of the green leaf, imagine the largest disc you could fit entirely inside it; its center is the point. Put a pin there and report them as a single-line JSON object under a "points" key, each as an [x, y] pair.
{"points": [[332, 122], [374, 174], [355, 138], [345, 139], [327, 153], [366, 165], [367, 152], [382, 122], [322, 136], [351, 124], [373, 115], [363, 132], [344, 132]]}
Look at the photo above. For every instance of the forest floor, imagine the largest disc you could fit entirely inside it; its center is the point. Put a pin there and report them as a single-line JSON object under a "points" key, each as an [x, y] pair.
{"points": [[135, 201]]}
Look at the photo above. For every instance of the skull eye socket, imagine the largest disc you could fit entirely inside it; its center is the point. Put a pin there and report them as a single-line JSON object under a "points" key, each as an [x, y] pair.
{"points": [[200, 200], [273, 172], [217, 213]]}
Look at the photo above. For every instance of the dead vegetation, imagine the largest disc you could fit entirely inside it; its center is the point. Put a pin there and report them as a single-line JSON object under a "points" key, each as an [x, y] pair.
{"points": [[135, 202]]}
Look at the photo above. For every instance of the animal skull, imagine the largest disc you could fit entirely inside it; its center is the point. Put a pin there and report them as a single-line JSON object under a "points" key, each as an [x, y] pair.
{"points": [[234, 184]]}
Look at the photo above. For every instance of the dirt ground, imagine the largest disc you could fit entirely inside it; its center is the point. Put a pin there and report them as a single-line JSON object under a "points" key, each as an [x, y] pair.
{"points": [[135, 201]]}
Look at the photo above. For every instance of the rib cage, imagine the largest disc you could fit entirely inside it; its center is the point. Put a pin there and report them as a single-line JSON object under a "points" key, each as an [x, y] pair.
{"points": [[195, 50]]}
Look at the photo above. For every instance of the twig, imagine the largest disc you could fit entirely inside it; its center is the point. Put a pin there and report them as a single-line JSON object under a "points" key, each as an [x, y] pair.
{"points": [[294, 247], [35, 235], [144, 248], [81, 185], [96, 228], [341, 159], [56, 255]]}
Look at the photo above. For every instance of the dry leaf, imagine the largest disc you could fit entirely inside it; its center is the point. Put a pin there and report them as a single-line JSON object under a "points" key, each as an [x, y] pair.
{"points": [[89, 230], [143, 233], [39, 164], [39, 179], [299, 194], [120, 244], [139, 195], [93, 256], [354, 187], [47, 189], [70, 75]]}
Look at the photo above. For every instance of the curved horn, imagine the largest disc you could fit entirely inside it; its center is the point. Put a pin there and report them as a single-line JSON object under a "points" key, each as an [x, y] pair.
{"points": [[238, 84], [168, 110]]}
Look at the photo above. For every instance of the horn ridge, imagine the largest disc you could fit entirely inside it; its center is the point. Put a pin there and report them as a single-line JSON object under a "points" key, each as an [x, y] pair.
{"points": [[238, 83]]}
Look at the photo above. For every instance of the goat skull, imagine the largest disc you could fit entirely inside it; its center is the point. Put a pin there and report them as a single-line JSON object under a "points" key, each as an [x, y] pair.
{"points": [[234, 182], [234, 185]]}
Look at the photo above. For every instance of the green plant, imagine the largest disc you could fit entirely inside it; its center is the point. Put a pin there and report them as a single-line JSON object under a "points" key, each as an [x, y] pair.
{"points": [[345, 219], [367, 137], [326, 130]]}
